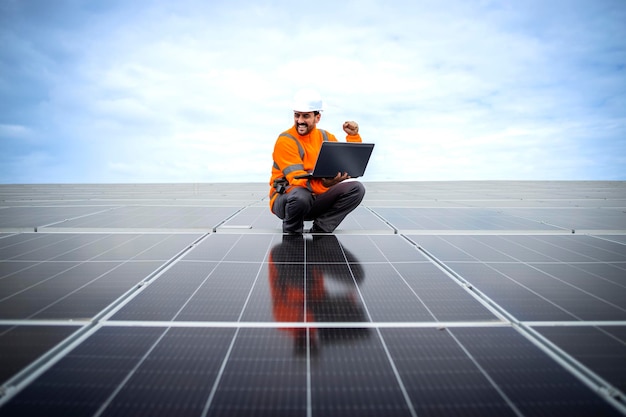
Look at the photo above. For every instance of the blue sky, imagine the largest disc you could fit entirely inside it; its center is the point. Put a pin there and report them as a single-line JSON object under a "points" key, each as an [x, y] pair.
{"points": [[106, 91]]}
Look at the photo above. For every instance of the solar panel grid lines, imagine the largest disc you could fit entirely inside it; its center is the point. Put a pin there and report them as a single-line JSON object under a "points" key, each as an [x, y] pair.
{"points": [[539, 370], [570, 357], [508, 269], [75, 217], [36, 365], [22, 343], [432, 298], [612, 393]]}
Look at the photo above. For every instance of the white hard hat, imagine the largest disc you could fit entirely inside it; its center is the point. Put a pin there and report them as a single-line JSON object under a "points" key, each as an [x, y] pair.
{"points": [[307, 100]]}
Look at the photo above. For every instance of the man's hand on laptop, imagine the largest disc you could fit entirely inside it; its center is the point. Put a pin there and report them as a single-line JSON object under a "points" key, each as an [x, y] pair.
{"points": [[329, 182]]}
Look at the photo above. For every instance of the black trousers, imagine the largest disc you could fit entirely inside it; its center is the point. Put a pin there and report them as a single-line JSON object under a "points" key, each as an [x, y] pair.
{"points": [[326, 210]]}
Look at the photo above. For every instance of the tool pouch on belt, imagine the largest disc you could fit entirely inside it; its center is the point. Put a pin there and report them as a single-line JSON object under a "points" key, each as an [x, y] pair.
{"points": [[280, 185]]}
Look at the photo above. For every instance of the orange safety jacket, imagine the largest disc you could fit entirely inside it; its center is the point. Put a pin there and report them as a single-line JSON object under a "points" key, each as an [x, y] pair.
{"points": [[295, 155]]}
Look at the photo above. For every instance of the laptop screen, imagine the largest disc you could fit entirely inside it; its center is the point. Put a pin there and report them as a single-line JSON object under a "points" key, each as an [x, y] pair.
{"points": [[335, 157]]}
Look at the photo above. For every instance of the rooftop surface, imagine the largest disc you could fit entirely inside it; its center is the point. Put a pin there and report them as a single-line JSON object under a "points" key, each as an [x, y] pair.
{"points": [[431, 299]]}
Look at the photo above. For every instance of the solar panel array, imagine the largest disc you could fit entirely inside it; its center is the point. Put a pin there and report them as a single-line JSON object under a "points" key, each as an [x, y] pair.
{"points": [[431, 299]]}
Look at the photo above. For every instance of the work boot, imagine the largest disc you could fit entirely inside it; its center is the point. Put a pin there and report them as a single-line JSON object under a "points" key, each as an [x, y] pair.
{"points": [[316, 229]]}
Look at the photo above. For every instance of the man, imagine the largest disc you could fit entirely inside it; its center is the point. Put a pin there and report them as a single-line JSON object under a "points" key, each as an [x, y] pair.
{"points": [[326, 201]]}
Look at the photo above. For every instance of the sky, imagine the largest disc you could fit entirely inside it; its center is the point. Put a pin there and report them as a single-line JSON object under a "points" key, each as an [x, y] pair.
{"points": [[117, 91]]}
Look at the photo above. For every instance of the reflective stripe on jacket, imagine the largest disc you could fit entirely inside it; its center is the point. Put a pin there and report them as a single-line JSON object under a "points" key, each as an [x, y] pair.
{"points": [[295, 155]]}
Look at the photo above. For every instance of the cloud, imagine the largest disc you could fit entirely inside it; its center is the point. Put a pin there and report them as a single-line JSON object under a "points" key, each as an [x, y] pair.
{"points": [[15, 132], [198, 91]]}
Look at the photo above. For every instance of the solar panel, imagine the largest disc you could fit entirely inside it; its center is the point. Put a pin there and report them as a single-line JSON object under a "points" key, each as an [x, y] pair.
{"points": [[440, 370], [601, 348], [457, 219], [445, 298], [526, 376], [20, 346], [260, 377]]}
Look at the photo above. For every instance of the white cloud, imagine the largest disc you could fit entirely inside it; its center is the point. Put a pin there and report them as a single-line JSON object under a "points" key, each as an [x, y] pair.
{"points": [[198, 91], [10, 131]]}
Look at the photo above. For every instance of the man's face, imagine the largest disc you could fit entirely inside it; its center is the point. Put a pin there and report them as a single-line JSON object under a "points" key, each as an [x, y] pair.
{"points": [[305, 121]]}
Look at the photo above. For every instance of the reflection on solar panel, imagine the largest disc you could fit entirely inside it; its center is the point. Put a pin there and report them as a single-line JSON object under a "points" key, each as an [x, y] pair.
{"points": [[431, 299]]}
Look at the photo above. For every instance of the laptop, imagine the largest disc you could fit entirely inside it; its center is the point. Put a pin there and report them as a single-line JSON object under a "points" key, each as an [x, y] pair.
{"points": [[334, 157]]}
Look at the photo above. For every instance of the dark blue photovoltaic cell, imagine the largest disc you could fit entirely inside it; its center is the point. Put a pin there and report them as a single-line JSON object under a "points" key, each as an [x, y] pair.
{"points": [[576, 248], [572, 248], [19, 244], [440, 379], [167, 247], [21, 276], [593, 218], [82, 381], [519, 301], [119, 247], [197, 291], [498, 248], [444, 298], [529, 378], [51, 246], [339, 248], [163, 298], [10, 269], [363, 219], [590, 281], [615, 238], [457, 219], [598, 348], [96, 295], [21, 345], [565, 248], [223, 296], [477, 249], [582, 304], [388, 296], [331, 294], [266, 374], [250, 248], [278, 295], [177, 376], [618, 332], [151, 217], [254, 218], [100, 247], [150, 247], [441, 248], [397, 249], [214, 248], [379, 248], [599, 249], [329, 249], [613, 273], [291, 249], [351, 375], [32, 217], [74, 291]]}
